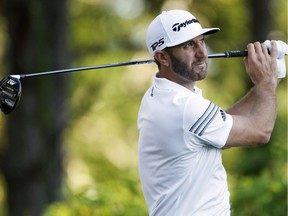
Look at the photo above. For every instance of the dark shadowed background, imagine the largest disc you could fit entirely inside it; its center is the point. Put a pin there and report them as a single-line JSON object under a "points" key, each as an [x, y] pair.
{"points": [[70, 147]]}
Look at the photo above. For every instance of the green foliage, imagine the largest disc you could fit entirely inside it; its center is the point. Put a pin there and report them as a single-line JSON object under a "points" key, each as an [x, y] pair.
{"points": [[116, 196], [100, 142], [264, 194]]}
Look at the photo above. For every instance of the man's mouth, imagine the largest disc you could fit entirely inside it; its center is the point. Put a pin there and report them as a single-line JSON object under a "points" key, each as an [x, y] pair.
{"points": [[200, 64]]}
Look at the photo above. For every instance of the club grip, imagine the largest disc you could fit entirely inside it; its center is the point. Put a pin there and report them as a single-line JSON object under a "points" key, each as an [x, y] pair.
{"points": [[237, 53]]}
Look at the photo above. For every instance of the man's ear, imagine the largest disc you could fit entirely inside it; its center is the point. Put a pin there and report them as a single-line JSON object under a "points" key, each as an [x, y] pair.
{"points": [[162, 57]]}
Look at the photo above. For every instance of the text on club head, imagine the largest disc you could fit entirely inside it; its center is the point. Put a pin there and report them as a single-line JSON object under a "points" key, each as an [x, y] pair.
{"points": [[11, 82]]}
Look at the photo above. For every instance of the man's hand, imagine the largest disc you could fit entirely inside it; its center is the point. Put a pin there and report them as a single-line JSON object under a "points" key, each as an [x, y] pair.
{"points": [[260, 65], [282, 49]]}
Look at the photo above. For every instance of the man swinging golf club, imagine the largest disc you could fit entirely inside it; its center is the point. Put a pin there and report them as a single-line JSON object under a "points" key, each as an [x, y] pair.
{"points": [[10, 86], [182, 134]]}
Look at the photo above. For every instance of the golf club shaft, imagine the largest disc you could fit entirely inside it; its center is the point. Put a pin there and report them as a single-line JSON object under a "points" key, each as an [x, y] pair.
{"points": [[228, 54], [86, 68]]}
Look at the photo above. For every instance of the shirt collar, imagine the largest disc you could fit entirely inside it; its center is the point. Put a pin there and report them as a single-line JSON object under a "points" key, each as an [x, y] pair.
{"points": [[165, 84]]}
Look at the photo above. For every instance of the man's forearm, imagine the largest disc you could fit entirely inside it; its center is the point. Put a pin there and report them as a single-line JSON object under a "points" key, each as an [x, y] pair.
{"points": [[254, 117], [245, 104]]}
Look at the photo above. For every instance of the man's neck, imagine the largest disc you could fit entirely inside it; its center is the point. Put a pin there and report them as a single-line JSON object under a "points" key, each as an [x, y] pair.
{"points": [[177, 79]]}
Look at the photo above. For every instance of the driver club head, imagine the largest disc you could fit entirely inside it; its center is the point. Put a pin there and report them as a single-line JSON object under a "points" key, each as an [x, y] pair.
{"points": [[10, 93]]}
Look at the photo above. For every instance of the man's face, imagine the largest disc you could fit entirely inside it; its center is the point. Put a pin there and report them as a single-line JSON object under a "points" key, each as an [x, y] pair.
{"points": [[189, 60]]}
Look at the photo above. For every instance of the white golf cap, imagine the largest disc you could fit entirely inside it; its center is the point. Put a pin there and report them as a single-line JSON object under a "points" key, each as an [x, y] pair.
{"points": [[172, 28]]}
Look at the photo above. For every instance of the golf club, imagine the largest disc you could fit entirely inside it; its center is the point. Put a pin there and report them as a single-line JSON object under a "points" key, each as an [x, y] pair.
{"points": [[10, 86]]}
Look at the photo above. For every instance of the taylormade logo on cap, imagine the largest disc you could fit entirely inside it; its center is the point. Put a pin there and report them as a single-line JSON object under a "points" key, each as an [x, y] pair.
{"points": [[172, 28], [177, 27]]}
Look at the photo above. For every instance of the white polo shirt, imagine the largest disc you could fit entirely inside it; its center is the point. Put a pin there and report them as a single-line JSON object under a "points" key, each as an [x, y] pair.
{"points": [[180, 160]]}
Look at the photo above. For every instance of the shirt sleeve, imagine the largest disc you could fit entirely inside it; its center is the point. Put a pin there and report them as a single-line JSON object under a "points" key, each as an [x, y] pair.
{"points": [[205, 123]]}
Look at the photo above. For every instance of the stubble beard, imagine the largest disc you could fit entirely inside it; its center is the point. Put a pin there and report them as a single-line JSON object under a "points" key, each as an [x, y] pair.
{"points": [[188, 73]]}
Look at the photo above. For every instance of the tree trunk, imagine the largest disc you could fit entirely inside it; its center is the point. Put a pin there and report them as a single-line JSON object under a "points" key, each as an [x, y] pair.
{"points": [[260, 19], [32, 161], [260, 27]]}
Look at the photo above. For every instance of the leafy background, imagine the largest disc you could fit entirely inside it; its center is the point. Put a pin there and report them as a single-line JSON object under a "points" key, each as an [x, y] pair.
{"points": [[100, 139]]}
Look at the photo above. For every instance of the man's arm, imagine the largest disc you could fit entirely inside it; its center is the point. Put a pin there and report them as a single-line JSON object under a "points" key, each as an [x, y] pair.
{"points": [[244, 105], [254, 115]]}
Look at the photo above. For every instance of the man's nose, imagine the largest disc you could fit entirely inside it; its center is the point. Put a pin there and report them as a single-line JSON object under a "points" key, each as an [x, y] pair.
{"points": [[201, 51]]}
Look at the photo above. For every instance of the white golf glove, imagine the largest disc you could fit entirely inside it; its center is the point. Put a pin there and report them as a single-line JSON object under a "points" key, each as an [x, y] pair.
{"points": [[282, 49]]}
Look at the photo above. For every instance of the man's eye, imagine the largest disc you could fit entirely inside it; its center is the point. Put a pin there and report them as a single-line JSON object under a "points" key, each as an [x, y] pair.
{"points": [[189, 44]]}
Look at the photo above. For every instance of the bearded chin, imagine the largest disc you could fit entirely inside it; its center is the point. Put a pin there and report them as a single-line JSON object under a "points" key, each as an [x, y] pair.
{"points": [[187, 73], [201, 75]]}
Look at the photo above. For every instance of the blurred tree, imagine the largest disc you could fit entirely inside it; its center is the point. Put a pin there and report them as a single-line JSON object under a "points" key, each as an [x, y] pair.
{"points": [[32, 159], [261, 19], [101, 140], [260, 26], [260, 189]]}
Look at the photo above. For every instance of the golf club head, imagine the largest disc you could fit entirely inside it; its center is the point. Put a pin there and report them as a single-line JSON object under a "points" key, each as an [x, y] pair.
{"points": [[10, 93]]}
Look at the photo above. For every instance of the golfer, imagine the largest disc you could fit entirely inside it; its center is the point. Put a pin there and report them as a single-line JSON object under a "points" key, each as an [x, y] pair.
{"points": [[182, 134]]}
